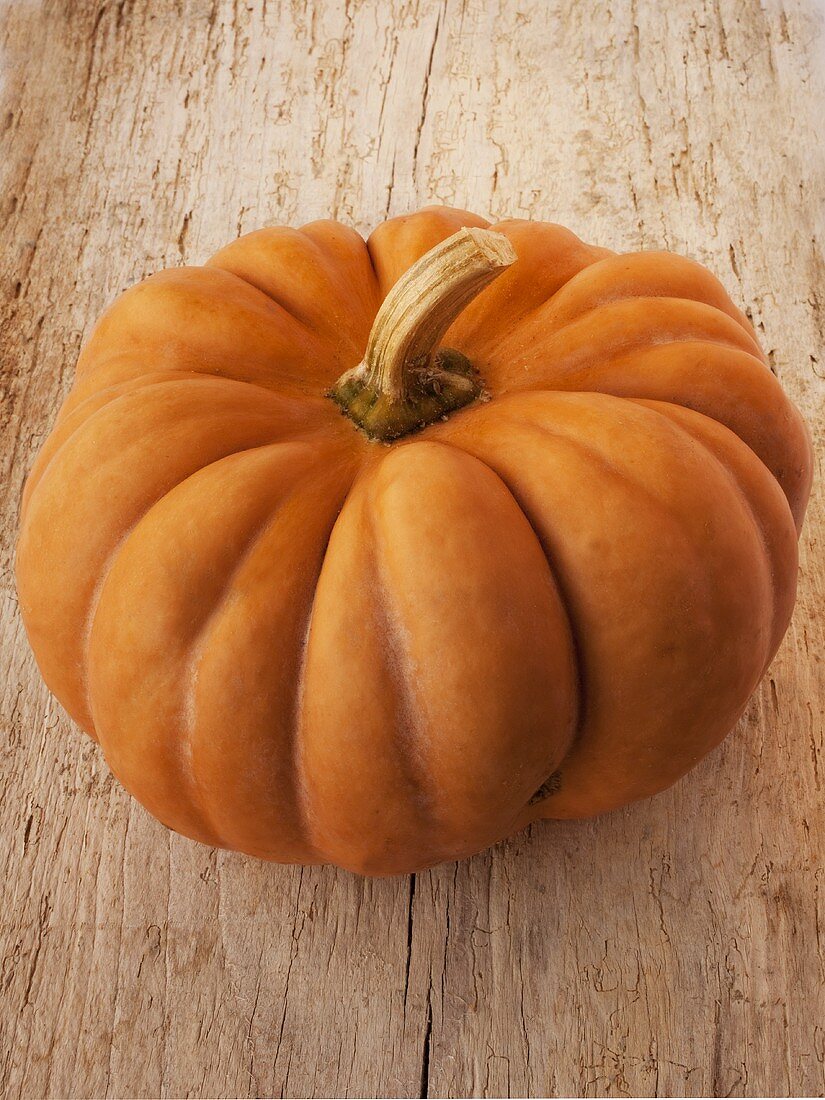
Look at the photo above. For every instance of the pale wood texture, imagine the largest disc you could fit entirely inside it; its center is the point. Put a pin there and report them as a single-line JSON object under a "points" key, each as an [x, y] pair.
{"points": [[674, 948]]}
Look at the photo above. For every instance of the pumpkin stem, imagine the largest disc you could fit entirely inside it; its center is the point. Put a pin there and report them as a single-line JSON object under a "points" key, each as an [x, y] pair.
{"points": [[405, 380]]}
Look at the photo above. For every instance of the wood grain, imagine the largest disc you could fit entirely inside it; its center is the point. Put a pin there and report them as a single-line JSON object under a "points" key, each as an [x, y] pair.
{"points": [[675, 948]]}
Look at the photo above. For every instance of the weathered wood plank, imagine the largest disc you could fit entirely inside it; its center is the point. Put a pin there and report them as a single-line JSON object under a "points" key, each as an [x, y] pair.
{"points": [[673, 948]]}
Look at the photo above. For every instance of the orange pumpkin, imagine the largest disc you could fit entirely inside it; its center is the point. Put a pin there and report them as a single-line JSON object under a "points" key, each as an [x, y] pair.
{"points": [[384, 615]]}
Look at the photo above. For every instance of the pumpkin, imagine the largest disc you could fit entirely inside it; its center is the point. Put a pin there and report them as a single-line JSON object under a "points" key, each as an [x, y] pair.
{"points": [[373, 553]]}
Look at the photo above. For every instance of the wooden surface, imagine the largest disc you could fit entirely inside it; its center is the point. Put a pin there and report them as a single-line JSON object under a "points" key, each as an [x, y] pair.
{"points": [[673, 948]]}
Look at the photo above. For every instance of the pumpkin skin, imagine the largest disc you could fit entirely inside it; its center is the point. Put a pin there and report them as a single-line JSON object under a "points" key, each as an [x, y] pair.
{"points": [[295, 642]]}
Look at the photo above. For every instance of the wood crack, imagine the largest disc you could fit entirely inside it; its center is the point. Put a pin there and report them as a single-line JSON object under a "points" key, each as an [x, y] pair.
{"points": [[425, 94]]}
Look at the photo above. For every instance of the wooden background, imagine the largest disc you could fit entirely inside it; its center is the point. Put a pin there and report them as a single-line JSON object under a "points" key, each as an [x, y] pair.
{"points": [[673, 948]]}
